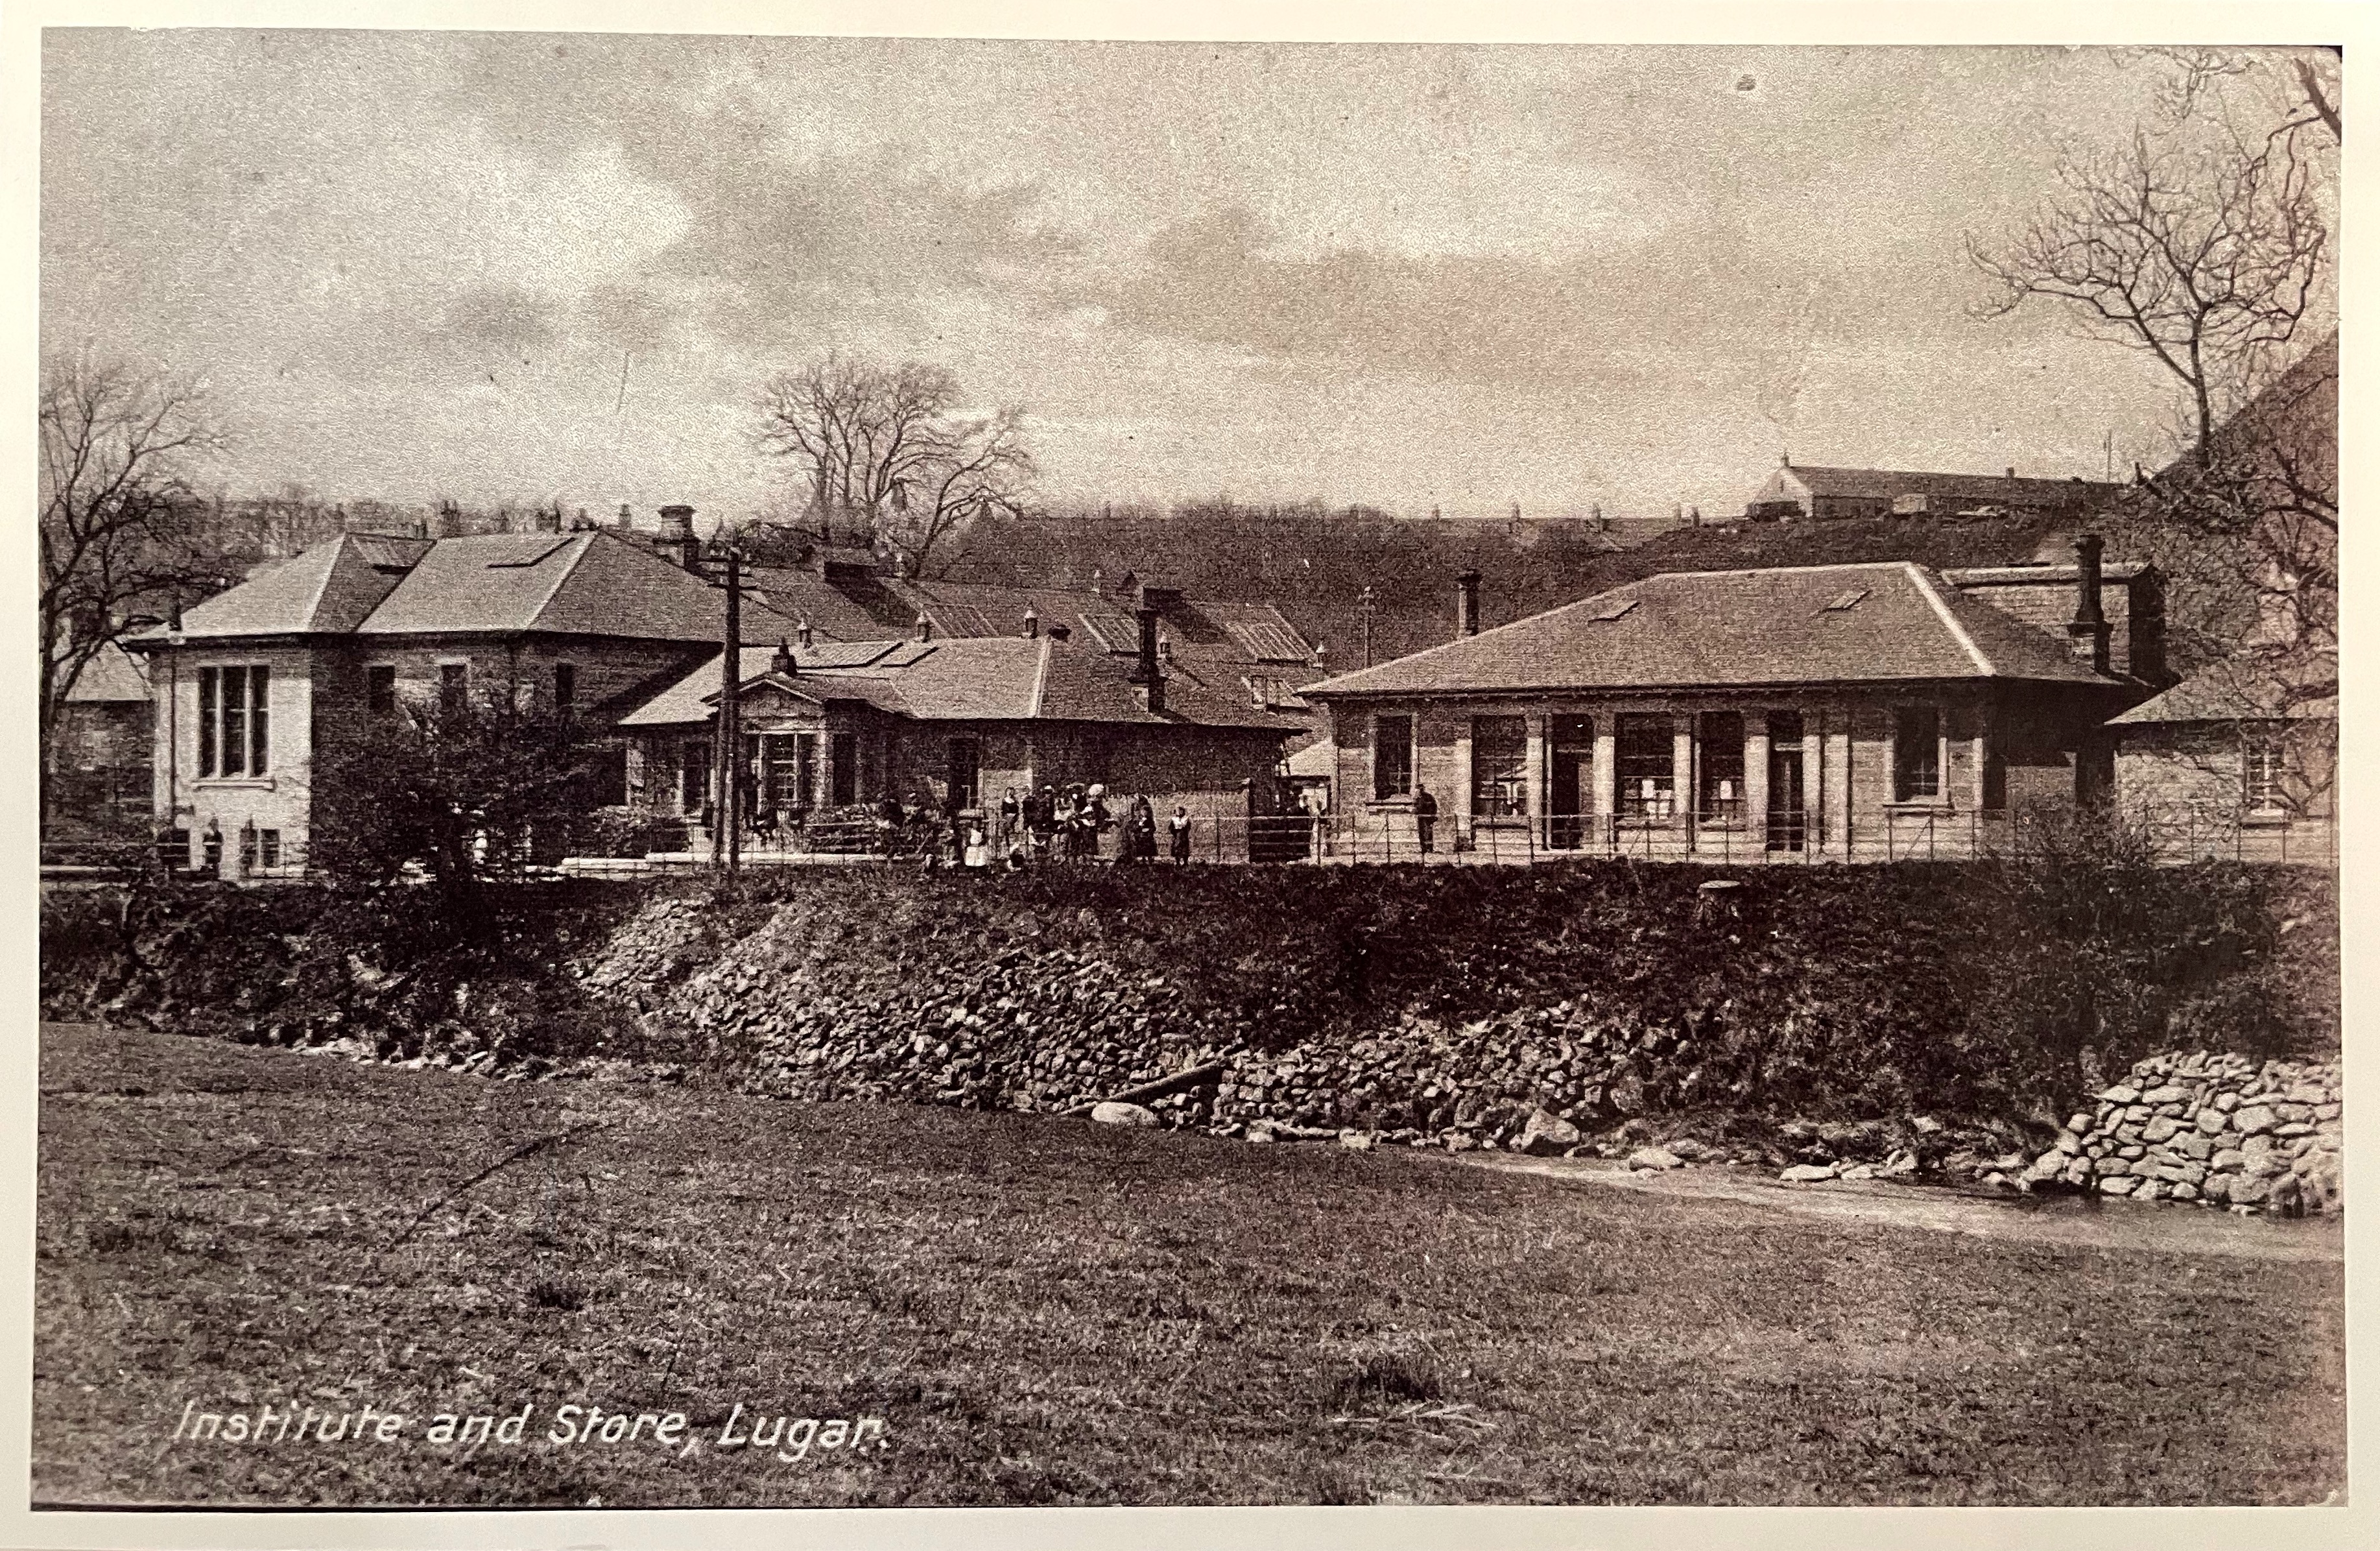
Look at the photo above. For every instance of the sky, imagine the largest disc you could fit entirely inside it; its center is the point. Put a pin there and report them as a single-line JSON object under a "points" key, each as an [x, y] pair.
{"points": [[533, 267]]}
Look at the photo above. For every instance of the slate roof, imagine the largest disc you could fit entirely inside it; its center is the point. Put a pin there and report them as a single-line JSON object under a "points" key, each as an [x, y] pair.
{"points": [[1891, 621], [331, 588], [1983, 489], [979, 679], [2220, 695], [591, 583]]}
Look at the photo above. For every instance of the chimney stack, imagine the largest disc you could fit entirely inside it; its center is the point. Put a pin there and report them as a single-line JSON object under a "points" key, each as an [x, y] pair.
{"points": [[782, 661], [1467, 603], [549, 522], [625, 521], [677, 541], [924, 627], [450, 521], [2011, 473], [1144, 673], [2089, 629], [803, 633], [1032, 623]]}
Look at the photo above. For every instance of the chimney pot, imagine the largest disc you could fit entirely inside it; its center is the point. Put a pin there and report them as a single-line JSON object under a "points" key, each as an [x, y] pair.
{"points": [[924, 627], [677, 537], [2089, 629], [1467, 603], [805, 634], [782, 661], [625, 522], [1032, 625], [2011, 473], [1145, 672]]}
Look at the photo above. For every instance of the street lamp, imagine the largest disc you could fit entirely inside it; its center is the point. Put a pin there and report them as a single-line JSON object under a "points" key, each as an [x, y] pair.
{"points": [[725, 560]]}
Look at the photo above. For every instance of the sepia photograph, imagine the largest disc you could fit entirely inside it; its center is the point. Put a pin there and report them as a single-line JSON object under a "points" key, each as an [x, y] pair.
{"points": [[974, 772]]}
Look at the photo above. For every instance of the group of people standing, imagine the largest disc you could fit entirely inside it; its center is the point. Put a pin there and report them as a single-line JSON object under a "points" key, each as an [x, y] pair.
{"points": [[1067, 824]]}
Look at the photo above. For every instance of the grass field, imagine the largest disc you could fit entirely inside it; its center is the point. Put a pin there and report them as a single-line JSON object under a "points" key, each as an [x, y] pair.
{"points": [[1042, 1311]]}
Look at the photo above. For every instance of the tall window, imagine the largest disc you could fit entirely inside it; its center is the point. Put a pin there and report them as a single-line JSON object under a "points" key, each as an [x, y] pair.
{"points": [[566, 688], [1720, 762], [805, 769], [1647, 756], [1916, 755], [233, 733], [1500, 766], [693, 774], [2263, 769], [453, 684], [380, 689], [1392, 756]]}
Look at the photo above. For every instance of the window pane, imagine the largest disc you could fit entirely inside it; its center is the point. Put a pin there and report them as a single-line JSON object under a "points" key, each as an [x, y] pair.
{"points": [[1500, 766], [565, 686], [269, 846], [1785, 727], [1647, 757], [259, 744], [1391, 756], [1916, 755], [380, 688], [208, 693], [2263, 769], [1720, 757], [453, 681], [233, 739]]}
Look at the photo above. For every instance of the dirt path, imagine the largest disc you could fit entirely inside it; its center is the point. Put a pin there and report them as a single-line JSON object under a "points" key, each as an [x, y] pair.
{"points": [[2084, 1221]]}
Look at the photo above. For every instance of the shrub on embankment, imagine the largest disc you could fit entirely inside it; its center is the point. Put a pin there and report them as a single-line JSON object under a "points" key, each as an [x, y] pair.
{"points": [[376, 972]]}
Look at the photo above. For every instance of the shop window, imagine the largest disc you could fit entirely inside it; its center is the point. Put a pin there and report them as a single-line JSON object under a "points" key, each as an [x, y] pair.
{"points": [[1647, 756], [1392, 756], [1500, 766], [1720, 762], [1916, 755]]}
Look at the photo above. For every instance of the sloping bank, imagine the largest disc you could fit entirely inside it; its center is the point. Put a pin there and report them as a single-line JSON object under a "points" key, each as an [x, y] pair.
{"points": [[1920, 1016], [1911, 1017]]}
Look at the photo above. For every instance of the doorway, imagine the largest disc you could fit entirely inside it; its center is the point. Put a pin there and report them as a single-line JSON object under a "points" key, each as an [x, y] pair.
{"points": [[1568, 781], [1789, 819]]}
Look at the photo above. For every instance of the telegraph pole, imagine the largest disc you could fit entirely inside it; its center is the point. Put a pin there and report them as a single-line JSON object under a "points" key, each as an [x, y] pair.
{"points": [[1367, 601], [731, 716]]}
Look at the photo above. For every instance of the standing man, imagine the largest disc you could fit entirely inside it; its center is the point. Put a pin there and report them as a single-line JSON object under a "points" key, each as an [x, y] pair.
{"points": [[1425, 817]]}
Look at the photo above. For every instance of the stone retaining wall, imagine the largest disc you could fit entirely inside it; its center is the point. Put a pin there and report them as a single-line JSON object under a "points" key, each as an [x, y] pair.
{"points": [[2218, 1130]]}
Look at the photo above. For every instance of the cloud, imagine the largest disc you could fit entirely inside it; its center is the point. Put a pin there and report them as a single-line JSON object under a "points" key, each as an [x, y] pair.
{"points": [[504, 317]]}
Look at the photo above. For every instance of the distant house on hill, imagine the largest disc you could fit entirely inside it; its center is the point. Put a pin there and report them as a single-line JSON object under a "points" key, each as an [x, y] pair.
{"points": [[1797, 491], [1848, 711]]}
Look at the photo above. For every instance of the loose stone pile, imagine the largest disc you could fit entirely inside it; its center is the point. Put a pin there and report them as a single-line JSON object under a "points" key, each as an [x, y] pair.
{"points": [[1061, 1029], [2219, 1130]]}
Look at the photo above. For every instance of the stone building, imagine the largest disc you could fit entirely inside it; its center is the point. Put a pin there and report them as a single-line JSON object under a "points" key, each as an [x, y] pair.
{"points": [[259, 681], [99, 757], [2237, 761], [1844, 711], [1805, 490], [957, 720]]}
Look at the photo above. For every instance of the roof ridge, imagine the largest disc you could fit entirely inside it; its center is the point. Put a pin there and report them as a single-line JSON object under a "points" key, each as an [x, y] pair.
{"points": [[322, 583], [569, 569], [1924, 582]]}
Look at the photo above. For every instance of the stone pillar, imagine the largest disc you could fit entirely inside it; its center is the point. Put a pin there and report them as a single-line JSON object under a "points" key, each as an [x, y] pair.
{"points": [[1835, 774], [1533, 774], [1682, 767], [1756, 777], [1607, 767]]}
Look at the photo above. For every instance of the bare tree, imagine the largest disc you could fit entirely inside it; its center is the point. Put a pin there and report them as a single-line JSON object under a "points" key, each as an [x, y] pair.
{"points": [[116, 445], [2199, 242], [888, 449]]}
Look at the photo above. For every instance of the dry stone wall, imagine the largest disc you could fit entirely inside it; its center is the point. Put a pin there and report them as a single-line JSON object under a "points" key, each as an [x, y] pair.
{"points": [[2212, 1130]]}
